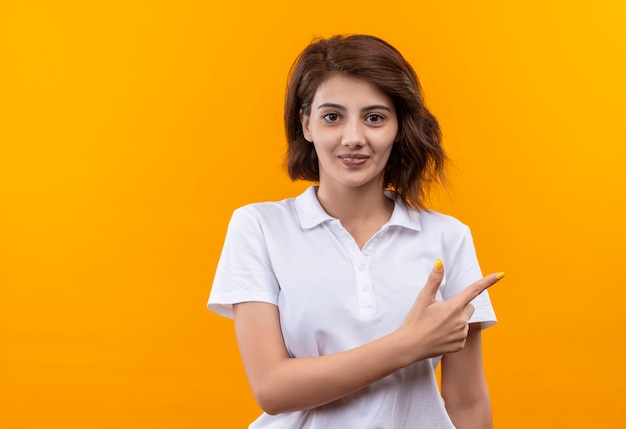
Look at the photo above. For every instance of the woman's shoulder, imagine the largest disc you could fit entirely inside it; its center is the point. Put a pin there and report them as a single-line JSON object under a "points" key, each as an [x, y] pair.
{"points": [[433, 219], [267, 208], [267, 213], [280, 208]]}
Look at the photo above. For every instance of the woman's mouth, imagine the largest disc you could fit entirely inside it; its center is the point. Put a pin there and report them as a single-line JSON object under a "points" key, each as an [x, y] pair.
{"points": [[353, 160]]}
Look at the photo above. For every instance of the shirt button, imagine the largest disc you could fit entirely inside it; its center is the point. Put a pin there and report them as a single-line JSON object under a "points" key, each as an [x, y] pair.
{"points": [[361, 267], [366, 252], [365, 288]]}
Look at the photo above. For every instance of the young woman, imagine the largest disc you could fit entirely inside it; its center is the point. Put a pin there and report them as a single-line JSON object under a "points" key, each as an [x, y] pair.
{"points": [[341, 303]]}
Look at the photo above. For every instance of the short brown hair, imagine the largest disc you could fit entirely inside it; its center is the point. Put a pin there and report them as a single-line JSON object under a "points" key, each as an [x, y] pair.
{"points": [[417, 158]]}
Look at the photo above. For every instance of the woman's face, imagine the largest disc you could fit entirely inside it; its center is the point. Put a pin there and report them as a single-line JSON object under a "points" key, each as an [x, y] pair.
{"points": [[352, 125]]}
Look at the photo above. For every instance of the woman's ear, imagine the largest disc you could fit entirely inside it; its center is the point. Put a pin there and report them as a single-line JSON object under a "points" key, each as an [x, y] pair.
{"points": [[305, 121]]}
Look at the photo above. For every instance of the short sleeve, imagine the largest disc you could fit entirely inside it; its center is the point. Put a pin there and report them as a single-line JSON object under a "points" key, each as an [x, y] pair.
{"points": [[244, 271], [462, 269]]}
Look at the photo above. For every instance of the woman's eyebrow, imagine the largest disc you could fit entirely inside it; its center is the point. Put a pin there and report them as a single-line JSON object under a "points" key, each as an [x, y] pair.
{"points": [[376, 107], [332, 105], [364, 109]]}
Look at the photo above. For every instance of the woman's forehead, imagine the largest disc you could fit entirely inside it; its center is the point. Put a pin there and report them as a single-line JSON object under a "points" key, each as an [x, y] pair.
{"points": [[343, 88]]}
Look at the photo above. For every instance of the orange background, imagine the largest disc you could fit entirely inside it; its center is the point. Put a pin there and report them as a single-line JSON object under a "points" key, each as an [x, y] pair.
{"points": [[129, 131]]}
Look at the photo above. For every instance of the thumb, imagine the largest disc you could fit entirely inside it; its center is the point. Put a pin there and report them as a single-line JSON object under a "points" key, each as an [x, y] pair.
{"points": [[429, 291]]}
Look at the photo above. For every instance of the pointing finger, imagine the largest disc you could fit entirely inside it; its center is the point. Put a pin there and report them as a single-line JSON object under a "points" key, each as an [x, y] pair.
{"points": [[476, 288]]}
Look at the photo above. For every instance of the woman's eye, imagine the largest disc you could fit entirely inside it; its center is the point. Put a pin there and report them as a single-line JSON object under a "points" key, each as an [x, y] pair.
{"points": [[374, 118], [331, 117]]}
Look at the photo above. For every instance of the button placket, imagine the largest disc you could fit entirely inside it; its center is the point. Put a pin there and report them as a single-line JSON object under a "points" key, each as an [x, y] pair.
{"points": [[360, 259], [364, 282]]}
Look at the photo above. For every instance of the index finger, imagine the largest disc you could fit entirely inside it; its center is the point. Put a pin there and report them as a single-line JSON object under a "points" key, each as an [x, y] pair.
{"points": [[476, 288]]}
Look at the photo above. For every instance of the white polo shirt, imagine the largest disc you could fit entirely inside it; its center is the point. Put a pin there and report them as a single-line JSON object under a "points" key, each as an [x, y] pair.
{"points": [[333, 296]]}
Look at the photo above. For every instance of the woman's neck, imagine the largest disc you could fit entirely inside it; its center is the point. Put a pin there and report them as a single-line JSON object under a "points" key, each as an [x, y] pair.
{"points": [[361, 210]]}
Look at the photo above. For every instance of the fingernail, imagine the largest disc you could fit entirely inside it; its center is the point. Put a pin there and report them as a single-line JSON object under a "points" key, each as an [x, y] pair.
{"points": [[500, 275], [438, 264]]}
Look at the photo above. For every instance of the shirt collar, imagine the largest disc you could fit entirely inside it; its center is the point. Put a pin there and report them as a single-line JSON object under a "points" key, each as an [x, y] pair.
{"points": [[309, 209], [311, 212], [403, 216]]}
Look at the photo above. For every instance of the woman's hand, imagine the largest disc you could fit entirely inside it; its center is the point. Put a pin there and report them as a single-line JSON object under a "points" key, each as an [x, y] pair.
{"points": [[435, 327]]}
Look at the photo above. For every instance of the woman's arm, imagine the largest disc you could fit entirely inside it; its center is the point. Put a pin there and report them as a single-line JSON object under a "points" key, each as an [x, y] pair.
{"points": [[463, 384], [281, 384]]}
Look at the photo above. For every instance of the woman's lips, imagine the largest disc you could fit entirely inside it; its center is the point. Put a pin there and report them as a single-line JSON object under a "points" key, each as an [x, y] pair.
{"points": [[353, 160]]}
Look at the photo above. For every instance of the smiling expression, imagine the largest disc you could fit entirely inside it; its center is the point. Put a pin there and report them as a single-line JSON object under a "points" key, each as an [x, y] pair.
{"points": [[353, 125]]}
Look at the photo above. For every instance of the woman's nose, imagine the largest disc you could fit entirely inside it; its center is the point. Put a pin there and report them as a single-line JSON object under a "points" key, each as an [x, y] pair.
{"points": [[353, 134]]}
